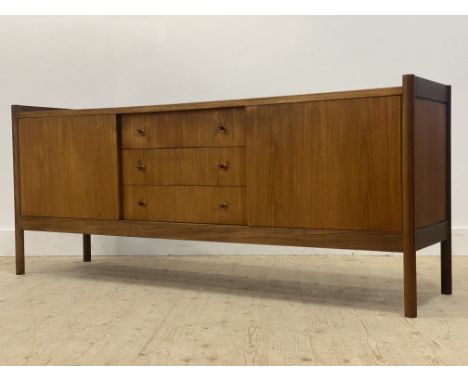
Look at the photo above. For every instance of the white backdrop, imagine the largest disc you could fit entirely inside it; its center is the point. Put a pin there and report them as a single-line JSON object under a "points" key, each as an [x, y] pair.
{"points": [[80, 62]]}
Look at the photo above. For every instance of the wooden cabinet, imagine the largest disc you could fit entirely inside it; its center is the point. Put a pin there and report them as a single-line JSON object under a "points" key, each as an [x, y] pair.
{"points": [[365, 169]]}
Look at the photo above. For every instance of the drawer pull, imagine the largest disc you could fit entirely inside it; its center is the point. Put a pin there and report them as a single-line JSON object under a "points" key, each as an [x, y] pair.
{"points": [[223, 205], [141, 131], [223, 165], [222, 129], [141, 166], [141, 203]]}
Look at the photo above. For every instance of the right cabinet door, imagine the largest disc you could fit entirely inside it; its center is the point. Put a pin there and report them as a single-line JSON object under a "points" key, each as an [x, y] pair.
{"points": [[325, 164]]}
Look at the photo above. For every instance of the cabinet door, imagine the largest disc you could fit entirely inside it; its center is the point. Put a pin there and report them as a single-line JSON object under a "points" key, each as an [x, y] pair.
{"points": [[325, 165], [68, 166]]}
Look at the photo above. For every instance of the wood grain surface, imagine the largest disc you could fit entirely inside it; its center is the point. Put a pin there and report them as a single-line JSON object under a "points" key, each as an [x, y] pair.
{"points": [[408, 198], [228, 310], [193, 166], [189, 204], [429, 162], [200, 128], [366, 240], [333, 164], [350, 94], [68, 167]]}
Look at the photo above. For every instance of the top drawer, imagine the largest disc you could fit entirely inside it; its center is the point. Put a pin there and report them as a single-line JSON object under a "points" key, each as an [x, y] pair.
{"points": [[193, 128]]}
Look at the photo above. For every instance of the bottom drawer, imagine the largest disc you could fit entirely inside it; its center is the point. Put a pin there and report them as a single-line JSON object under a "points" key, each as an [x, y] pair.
{"points": [[185, 204]]}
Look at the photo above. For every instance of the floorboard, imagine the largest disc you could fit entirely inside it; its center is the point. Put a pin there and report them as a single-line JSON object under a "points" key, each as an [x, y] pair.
{"points": [[229, 310]]}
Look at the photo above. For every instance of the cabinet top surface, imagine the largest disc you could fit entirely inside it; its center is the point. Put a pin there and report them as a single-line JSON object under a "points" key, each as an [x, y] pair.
{"points": [[380, 92]]}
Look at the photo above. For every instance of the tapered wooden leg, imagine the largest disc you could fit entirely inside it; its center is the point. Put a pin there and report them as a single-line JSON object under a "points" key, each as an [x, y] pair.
{"points": [[446, 266], [86, 247], [19, 240], [410, 288]]}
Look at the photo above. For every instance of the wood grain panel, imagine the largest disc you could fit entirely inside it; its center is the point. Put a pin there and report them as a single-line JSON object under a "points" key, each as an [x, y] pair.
{"points": [[199, 166], [68, 167], [348, 94], [369, 240], [190, 204], [331, 164], [431, 234], [429, 162], [430, 90], [200, 128], [19, 233]]}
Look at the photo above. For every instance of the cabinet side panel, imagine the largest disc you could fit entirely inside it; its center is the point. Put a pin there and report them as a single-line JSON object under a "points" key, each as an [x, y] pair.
{"points": [[429, 162], [325, 165], [69, 166]]}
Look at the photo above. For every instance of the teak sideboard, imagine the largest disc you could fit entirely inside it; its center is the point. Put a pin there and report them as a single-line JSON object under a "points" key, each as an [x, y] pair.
{"points": [[364, 170]]}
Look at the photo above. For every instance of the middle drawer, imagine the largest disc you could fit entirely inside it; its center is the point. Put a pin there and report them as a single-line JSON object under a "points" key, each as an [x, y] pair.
{"points": [[181, 167]]}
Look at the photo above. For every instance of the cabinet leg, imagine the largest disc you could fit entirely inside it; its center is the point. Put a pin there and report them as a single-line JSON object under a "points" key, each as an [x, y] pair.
{"points": [[86, 247], [410, 288], [19, 248], [446, 266]]}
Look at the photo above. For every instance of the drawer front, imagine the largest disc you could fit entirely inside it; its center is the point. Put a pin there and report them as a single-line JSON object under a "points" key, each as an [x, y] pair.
{"points": [[185, 204], [199, 128], [177, 167]]}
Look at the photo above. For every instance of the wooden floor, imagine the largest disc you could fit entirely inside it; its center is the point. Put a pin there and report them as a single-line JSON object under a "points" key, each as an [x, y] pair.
{"points": [[229, 310]]}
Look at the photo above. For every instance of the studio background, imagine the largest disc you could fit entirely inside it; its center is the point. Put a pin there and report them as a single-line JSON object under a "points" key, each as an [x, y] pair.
{"points": [[83, 62]]}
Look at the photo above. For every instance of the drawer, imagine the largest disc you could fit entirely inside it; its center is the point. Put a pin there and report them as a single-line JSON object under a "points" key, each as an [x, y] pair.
{"points": [[185, 204], [177, 167], [193, 128]]}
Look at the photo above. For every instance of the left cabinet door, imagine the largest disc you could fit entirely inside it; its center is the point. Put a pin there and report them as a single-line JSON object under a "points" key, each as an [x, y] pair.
{"points": [[69, 166]]}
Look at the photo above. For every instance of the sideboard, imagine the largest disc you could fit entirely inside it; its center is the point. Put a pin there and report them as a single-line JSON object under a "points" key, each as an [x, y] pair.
{"points": [[363, 170]]}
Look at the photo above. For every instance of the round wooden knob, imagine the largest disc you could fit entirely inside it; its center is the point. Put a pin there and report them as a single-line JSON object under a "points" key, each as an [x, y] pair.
{"points": [[141, 166], [141, 202], [221, 129], [141, 131], [223, 165], [223, 205]]}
